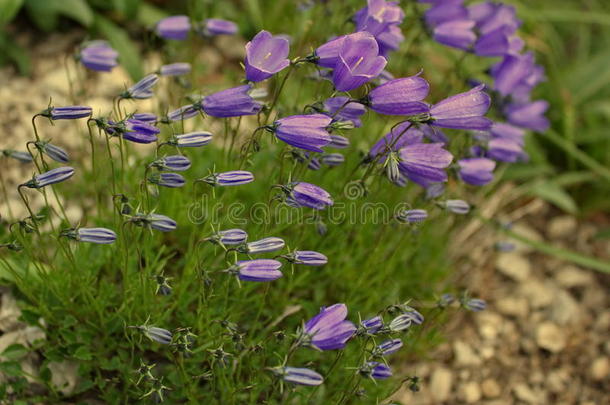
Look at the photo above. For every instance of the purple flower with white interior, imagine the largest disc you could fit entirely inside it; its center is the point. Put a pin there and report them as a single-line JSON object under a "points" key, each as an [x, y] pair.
{"points": [[308, 132], [401, 323], [53, 176], [299, 376], [378, 16], [371, 325], [376, 370], [175, 27], [459, 207], [399, 97], [463, 111], [102, 236], [266, 55], [307, 258], [234, 102], [476, 171], [156, 334], [54, 152], [358, 61], [412, 216], [230, 237], [185, 112], [98, 56], [328, 330], [387, 347], [67, 113]]}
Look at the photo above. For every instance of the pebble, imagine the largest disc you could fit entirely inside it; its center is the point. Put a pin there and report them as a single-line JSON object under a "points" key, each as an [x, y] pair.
{"points": [[491, 388], [600, 368], [565, 309], [571, 276], [539, 294], [464, 354], [469, 392], [440, 384], [527, 232], [514, 266], [550, 337], [562, 227], [524, 393], [511, 306]]}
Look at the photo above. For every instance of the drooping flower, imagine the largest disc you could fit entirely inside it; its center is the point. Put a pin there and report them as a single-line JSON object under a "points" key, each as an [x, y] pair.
{"points": [[498, 42], [476, 171], [328, 330], [142, 89], [131, 129], [399, 97], [401, 323], [54, 152], [529, 115], [234, 102], [23, 157], [303, 194], [191, 139], [266, 55], [259, 270], [474, 304], [389, 40], [98, 56], [149, 118], [159, 222], [53, 176], [231, 178], [327, 54], [338, 142], [341, 109], [176, 163], [376, 370], [306, 132], [299, 376], [175, 27], [378, 16], [175, 69], [185, 112], [513, 70], [371, 325], [358, 61], [102, 236], [265, 245], [443, 11], [216, 26], [463, 111], [332, 159], [164, 179], [156, 334], [504, 149], [425, 163]]}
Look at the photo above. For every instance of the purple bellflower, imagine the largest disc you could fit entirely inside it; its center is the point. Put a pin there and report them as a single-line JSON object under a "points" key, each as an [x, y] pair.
{"points": [[341, 109], [463, 111], [175, 69], [229, 237], [456, 33], [443, 11], [259, 270], [53, 176], [358, 61], [265, 245], [183, 113], [412, 216], [306, 132], [177, 163], [387, 347], [231, 178], [67, 113], [165, 179], [378, 16], [216, 26], [101, 236], [191, 139], [400, 136], [149, 118], [328, 330], [332, 159], [54, 152], [338, 142], [234, 102], [504, 149], [266, 55], [511, 72], [23, 157], [371, 326], [299, 376], [307, 258], [476, 171], [301, 194], [399, 97], [459, 207], [376, 370], [529, 115], [175, 27], [142, 89], [425, 163], [98, 56]]}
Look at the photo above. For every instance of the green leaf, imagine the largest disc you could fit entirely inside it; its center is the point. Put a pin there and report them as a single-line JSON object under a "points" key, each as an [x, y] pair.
{"points": [[129, 55], [83, 353], [149, 15], [11, 368], [15, 351], [77, 10], [8, 10], [556, 195]]}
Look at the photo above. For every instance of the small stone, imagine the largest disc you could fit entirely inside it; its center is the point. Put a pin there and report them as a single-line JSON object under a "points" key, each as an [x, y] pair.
{"points": [[469, 392], [514, 266], [517, 307], [440, 384], [9, 313], [464, 354], [557, 380], [562, 227], [64, 375], [524, 393], [565, 309], [600, 368], [490, 388], [571, 276], [489, 324], [539, 294], [550, 337]]}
